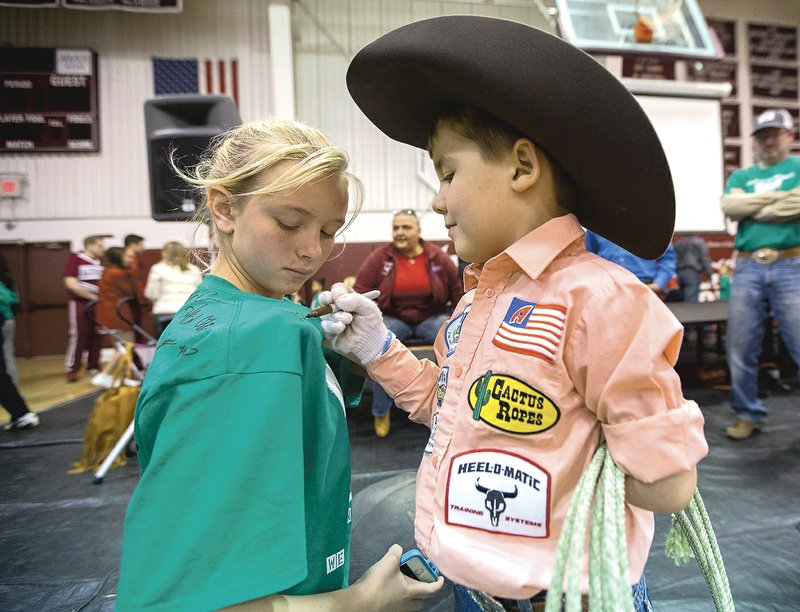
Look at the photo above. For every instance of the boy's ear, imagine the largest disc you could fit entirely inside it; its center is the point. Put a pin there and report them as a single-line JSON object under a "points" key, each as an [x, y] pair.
{"points": [[219, 205], [527, 164]]}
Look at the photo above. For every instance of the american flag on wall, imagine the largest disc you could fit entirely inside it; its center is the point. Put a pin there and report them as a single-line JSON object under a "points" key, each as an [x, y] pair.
{"points": [[532, 329], [177, 76]]}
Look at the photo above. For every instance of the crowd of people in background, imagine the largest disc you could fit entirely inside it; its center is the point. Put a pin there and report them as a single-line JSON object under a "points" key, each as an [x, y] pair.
{"points": [[102, 284], [109, 291], [111, 294]]}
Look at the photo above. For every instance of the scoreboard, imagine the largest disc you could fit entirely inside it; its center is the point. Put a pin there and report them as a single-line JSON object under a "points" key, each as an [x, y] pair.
{"points": [[48, 100]]}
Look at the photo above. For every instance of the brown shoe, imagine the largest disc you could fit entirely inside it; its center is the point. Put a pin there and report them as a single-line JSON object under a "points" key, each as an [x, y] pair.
{"points": [[741, 429], [382, 425]]}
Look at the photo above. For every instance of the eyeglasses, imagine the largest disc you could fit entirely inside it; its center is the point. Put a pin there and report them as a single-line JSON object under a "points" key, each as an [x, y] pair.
{"points": [[403, 211]]}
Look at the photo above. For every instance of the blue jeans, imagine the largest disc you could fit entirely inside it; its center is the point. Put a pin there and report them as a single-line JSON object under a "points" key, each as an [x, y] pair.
{"points": [[689, 282], [425, 330], [758, 289], [464, 603]]}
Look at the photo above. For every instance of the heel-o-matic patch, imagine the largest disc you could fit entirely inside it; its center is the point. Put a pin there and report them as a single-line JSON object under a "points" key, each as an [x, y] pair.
{"points": [[498, 491]]}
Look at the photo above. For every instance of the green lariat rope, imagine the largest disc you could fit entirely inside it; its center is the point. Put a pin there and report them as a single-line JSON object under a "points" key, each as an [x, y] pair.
{"points": [[609, 579]]}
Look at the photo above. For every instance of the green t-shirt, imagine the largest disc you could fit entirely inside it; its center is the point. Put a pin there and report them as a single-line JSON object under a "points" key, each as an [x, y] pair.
{"points": [[753, 235], [245, 460], [8, 299]]}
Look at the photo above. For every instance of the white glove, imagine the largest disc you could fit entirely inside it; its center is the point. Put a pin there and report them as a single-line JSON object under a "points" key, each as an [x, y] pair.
{"points": [[356, 328]]}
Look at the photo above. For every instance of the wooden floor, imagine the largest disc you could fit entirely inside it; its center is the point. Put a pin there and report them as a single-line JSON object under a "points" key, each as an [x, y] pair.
{"points": [[43, 385]]}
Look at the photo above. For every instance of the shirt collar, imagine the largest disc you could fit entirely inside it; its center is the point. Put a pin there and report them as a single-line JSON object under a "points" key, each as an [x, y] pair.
{"points": [[533, 252], [92, 260]]}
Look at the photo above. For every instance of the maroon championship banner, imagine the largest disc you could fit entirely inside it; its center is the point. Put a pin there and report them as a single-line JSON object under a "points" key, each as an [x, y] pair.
{"points": [[30, 3], [775, 82], [713, 72], [730, 120], [648, 67], [48, 100], [732, 158], [726, 34], [772, 42], [154, 6]]}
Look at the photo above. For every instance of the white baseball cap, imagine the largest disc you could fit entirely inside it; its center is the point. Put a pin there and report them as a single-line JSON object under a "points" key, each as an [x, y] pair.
{"points": [[773, 118]]}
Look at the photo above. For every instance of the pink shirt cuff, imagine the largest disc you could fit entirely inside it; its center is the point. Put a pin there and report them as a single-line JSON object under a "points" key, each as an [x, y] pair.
{"points": [[658, 446]]}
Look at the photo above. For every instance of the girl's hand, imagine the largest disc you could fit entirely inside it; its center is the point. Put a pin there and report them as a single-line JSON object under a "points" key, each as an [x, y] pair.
{"points": [[388, 590]]}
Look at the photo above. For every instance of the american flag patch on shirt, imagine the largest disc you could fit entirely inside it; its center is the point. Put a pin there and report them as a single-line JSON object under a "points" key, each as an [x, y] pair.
{"points": [[532, 329]]}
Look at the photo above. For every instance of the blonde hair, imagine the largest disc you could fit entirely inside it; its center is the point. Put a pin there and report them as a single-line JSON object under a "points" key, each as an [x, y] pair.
{"points": [[90, 240], [176, 255], [238, 159]]}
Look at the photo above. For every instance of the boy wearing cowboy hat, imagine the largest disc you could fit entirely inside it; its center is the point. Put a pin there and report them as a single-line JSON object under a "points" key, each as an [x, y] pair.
{"points": [[552, 350]]}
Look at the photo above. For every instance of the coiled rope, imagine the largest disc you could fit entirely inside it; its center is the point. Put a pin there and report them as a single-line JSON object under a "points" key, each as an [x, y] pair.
{"points": [[609, 578]]}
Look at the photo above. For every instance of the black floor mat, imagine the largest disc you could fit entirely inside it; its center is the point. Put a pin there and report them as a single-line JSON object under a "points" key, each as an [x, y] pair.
{"points": [[60, 534]]}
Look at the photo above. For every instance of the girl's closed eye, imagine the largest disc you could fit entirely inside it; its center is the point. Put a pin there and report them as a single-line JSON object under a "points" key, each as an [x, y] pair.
{"points": [[286, 227], [447, 177]]}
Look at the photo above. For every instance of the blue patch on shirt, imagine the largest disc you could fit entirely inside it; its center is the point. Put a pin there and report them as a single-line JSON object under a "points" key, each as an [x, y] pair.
{"points": [[453, 331]]}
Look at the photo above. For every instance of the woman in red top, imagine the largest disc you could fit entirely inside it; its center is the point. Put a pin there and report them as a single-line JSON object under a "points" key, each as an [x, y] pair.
{"points": [[118, 282], [419, 286]]}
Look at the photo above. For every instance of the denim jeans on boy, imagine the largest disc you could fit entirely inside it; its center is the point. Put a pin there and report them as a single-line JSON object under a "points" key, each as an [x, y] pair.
{"points": [[758, 289], [425, 330], [464, 603]]}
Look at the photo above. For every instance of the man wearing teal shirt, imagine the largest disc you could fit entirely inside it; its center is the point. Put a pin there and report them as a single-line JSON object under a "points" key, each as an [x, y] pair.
{"points": [[765, 200]]}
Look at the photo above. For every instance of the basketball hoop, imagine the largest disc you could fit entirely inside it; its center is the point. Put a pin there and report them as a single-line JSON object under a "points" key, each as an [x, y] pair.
{"points": [[667, 28], [664, 21]]}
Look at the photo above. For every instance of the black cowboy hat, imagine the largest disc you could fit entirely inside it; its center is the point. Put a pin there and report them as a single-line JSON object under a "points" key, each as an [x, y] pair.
{"points": [[559, 96]]}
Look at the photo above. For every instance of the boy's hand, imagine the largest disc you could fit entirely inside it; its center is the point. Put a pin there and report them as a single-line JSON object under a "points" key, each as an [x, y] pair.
{"points": [[356, 328]]}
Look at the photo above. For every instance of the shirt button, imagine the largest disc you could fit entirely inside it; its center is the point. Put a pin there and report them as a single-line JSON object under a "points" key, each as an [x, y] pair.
{"points": [[489, 292]]}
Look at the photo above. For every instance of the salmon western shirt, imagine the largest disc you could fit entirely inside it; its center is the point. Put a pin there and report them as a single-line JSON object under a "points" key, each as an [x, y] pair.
{"points": [[551, 351]]}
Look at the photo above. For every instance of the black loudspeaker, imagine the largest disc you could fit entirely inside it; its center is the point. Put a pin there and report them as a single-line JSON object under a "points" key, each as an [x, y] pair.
{"points": [[182, 125]]}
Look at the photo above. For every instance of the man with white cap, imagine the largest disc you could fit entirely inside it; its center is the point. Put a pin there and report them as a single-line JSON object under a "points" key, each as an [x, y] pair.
{"points": [[765, 199]]}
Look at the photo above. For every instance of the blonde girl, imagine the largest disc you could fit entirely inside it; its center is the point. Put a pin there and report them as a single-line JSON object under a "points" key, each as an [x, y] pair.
{"points": [[244, 494]]}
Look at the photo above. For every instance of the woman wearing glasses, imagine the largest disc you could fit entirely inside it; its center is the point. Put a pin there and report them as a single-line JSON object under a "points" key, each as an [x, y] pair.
{"points": [[419, 286]]}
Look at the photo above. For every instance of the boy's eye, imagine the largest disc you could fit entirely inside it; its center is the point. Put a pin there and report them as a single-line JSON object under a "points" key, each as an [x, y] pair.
{"points": [[447, 177], [327, 235]]}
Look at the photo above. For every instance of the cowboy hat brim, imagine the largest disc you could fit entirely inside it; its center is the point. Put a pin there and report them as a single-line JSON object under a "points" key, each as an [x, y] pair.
{"points": [[559, 96]]}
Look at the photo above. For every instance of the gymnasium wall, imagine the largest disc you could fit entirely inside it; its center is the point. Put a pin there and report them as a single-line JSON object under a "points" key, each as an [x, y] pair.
{"points": [[70, 195]]}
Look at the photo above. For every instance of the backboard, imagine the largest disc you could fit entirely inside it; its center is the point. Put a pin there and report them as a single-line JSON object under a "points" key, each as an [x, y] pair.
{"points": [[673, 28]]}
